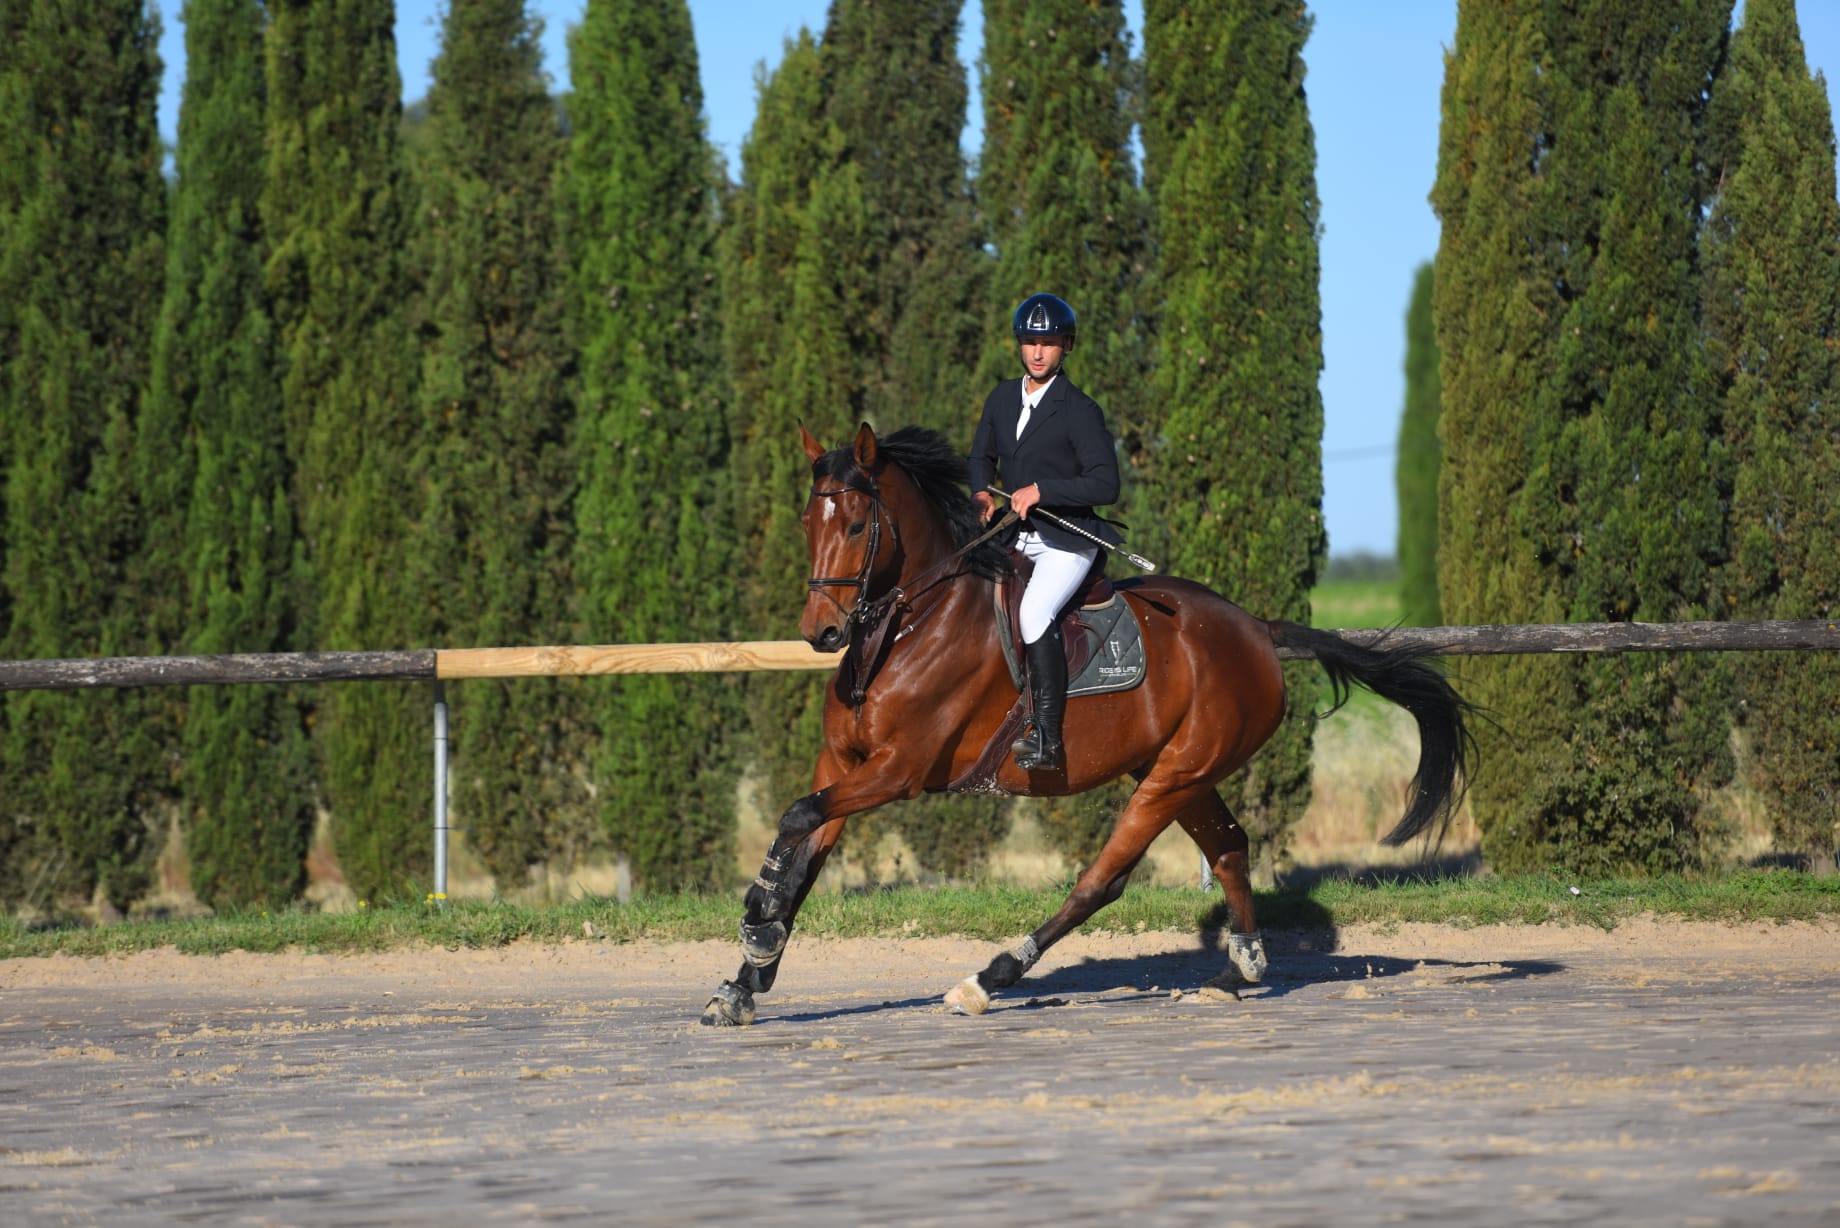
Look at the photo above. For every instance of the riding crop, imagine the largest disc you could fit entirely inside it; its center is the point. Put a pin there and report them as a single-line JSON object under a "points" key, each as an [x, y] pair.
{"points": [[1136, 560]]}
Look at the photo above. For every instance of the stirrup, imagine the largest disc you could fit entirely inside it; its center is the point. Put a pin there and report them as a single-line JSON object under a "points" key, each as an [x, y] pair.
{"points": [[1032, 755]]}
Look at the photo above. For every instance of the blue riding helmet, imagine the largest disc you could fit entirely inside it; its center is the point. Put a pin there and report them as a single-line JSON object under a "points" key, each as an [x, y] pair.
{"points": [[1045, 315]]}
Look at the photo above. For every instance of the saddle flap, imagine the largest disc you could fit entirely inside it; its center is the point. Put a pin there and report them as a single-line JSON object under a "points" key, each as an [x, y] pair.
{"points": [[1095, 592]]}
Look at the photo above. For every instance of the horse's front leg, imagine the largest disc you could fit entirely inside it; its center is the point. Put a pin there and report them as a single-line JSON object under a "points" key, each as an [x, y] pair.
{"points": [[807, 832], [786, 875]]}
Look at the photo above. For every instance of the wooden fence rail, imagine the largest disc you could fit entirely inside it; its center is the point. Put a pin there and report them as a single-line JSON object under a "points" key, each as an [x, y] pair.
{"points": [[454, 663], [441, 665]]}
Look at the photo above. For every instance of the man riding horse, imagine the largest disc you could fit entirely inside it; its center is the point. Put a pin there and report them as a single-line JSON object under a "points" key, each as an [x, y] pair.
{"points": [[1048, 443]]}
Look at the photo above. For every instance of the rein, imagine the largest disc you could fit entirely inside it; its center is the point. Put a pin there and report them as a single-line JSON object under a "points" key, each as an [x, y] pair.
{"points": [[868, 628]]}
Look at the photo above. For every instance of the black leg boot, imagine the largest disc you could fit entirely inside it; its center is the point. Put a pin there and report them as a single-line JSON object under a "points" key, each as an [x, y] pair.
{"points": [[1040, 748]]}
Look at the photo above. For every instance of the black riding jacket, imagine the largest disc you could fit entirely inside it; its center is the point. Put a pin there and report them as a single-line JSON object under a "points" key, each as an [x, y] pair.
{"points": [[1065, 450]]}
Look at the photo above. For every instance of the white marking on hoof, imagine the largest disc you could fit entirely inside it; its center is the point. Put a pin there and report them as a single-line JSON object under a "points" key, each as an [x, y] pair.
{"points": [[967, 998], [1247, 951]]}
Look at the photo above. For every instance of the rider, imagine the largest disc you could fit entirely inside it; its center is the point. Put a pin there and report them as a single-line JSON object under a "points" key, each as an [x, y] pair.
{"points": [[1049, 443]]}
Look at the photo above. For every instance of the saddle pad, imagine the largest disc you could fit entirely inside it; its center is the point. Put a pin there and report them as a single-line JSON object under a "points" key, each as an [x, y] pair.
{"points": [[1116, 661], [1107, 637], [1105, 645]]}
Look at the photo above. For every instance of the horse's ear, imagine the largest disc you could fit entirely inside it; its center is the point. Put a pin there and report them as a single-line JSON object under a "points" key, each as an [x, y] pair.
{"points": [[813, 448], [865, 447]]}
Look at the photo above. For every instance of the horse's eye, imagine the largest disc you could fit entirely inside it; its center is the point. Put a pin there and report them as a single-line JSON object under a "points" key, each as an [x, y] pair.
{"points": [[856, 529]]}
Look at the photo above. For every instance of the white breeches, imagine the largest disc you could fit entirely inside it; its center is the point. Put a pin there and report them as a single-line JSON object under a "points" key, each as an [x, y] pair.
{"points": [[1057, 576]]}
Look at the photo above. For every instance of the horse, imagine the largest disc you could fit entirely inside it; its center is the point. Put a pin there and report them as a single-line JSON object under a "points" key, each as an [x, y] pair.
{"points": [[901, 581]]}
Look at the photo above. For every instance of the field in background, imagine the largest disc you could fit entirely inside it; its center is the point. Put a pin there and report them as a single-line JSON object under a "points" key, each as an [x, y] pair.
{"points": [[1364, 756]]}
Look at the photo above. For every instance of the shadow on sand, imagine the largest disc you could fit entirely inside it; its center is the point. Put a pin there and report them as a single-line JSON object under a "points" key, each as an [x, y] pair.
{"points": [[1302, 956]]}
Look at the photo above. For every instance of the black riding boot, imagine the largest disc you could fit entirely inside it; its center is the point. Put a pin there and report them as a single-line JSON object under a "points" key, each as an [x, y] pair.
{"points": [[1040, 748]]}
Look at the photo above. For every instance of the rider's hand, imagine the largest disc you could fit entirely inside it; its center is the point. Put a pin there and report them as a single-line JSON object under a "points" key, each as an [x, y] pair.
{"points": [[1025, 499], [986, 506]]}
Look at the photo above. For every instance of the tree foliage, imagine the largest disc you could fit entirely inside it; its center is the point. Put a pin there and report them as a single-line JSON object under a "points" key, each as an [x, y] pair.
{"points": [[82, 215], [213, 481], [851, 270], [1582, 479], [895, 99], [1057, 186], [496, 363], [1058, 190], [1236, 473], [1771, 260], [336, 209], [655, 557], [911, 293], [788, 359], [1416, 474]]}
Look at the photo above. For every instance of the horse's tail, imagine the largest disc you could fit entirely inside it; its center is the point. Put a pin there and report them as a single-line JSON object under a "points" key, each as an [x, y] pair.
{"points": [[1446, 748]]}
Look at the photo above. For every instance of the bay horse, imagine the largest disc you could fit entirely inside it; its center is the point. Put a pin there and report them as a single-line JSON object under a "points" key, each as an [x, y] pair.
{"points": [[900, 580]]}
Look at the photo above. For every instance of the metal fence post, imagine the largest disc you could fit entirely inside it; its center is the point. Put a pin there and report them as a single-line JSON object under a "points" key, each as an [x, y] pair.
{"points": [[440, 792]]}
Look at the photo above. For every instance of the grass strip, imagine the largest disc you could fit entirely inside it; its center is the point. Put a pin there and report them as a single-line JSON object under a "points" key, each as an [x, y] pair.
{"points": [[996, 913]]}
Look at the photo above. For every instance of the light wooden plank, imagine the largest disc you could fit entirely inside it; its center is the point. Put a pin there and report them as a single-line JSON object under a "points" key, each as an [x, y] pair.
{"points": [[579, 660]]}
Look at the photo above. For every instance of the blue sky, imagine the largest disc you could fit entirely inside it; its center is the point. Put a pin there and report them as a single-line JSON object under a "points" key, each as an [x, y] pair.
{"points": [[1375, 71]]}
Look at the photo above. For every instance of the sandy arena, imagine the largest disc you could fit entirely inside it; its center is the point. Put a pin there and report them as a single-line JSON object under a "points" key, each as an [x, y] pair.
{"points": [[1658, 1074]]}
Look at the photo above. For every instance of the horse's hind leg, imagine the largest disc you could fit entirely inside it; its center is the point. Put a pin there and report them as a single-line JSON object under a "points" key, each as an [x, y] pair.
{"points": [[1149, 811], [1223, 842]]}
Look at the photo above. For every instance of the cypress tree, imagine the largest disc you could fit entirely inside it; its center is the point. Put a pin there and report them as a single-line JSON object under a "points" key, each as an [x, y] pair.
{"points": [[789, 361], [1492, 299], [82, 213], [655, 555], [851, 267], [496, 361], [1624, 499], [213, 479], [1771, 255], [336, 210], [1416, 474], [895, 95], [1604, 474], [1057, 187], [910, 287], [1058, 190], [1230, 164]]}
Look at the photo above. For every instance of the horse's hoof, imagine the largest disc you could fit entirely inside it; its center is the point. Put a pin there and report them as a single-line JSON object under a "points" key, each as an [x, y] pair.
{"points": [[1247, 951], [729, 1007], [967, 998]]}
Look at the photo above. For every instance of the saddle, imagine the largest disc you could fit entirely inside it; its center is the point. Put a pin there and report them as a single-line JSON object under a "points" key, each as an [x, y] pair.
{"points": [[1104, 647]]}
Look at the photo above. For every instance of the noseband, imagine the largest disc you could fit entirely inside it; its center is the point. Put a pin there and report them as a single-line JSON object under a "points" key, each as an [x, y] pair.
{"points": [[864, 611]]}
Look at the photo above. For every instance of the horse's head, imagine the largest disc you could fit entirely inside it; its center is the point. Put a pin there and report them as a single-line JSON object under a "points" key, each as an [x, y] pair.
{"points": [[855, 550]]}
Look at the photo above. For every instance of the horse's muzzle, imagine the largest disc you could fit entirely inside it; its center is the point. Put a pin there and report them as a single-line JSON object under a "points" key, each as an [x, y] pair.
{"points": [[826, 639]]}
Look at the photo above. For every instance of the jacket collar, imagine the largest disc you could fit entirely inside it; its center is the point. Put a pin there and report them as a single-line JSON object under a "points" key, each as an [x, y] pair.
{"points": [[1050, 402]]}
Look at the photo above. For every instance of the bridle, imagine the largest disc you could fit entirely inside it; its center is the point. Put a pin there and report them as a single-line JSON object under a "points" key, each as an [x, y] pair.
{"points": [[864, 611], [869, 628]]}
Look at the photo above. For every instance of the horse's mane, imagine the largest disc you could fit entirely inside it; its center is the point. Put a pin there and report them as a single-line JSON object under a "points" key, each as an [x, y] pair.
{"points": [[940, 472]]}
